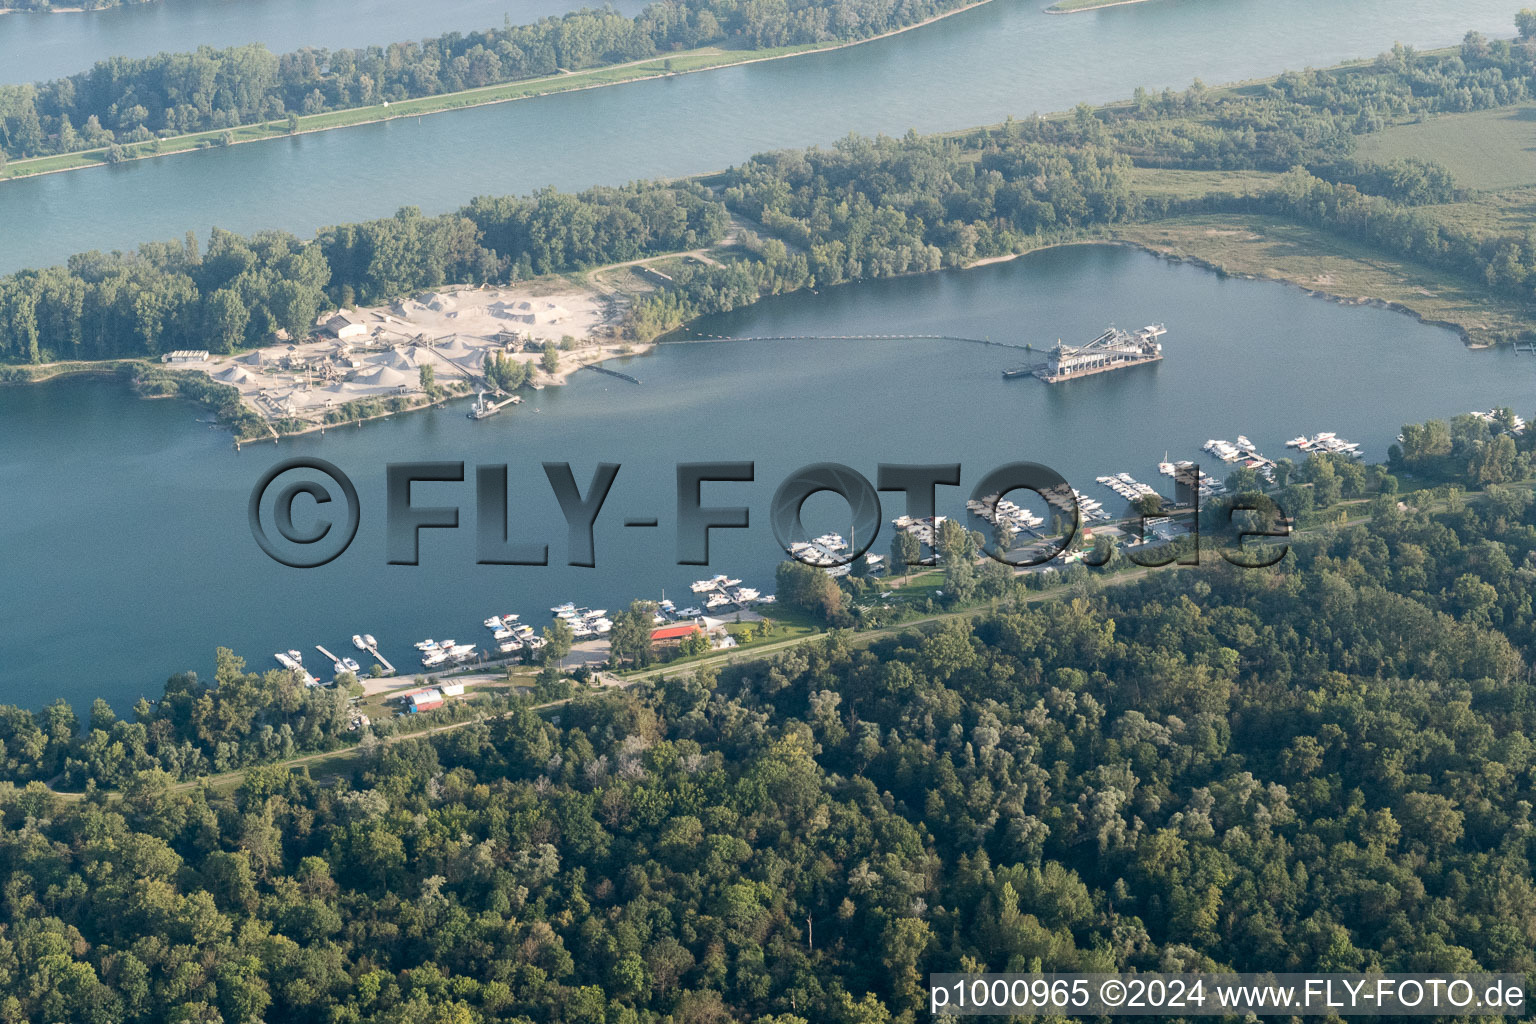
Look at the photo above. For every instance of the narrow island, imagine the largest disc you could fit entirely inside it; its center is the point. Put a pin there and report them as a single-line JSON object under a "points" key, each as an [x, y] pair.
{"points": [[1264, 179], [130, 109]]}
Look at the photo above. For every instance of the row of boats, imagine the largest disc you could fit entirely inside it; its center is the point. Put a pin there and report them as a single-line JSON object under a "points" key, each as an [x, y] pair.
{"points": [[1324, 442], [722, 592], [1088, 508], [1496, 418], [442, 652], [511, 635], [1000, 511], [1209, 486], [1127, 486], [293, 660], [585, 623], [926, 529], [507, 633]]}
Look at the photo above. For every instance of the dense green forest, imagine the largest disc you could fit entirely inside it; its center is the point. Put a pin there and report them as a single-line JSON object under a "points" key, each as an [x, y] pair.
{"points": [[862, 208], [1326, 765], [137, 99]]}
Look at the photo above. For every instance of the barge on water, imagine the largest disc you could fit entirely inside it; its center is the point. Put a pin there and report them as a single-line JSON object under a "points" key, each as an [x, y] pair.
{"points": [[1113, 350]]}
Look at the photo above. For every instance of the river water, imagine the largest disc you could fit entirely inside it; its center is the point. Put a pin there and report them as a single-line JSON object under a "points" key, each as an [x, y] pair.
{"points": [[129, 557], [975, 68]]}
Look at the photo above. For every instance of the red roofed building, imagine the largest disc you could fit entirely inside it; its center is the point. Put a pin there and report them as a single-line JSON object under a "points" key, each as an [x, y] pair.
{"points": [[673, 634], [672, 637]]}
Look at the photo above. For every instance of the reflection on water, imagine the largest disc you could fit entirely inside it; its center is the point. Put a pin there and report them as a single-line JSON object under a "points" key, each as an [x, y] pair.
{"points": [[123, 527]]}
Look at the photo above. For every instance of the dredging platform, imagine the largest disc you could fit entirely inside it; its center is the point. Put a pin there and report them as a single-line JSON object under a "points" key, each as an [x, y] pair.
{"points": [[1113, 350]]}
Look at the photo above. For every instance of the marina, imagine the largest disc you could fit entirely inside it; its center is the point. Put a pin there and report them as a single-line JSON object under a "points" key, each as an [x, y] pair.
{"points": [[1496, 418], [1120, 422], [585, 623], [722, 592], [1243, 452], [1325, 442], [926, 529], [1127, 486], [293, 661], [1001, 512], [1184, 469]]}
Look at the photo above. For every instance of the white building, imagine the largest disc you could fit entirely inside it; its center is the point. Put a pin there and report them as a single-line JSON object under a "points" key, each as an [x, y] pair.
{"points": [[346, 325], [183, 356]]}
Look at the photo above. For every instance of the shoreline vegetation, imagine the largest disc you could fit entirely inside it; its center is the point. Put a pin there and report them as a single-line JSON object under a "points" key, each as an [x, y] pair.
{"points": [[100, 117], [687, 62], [154, 380], [1260, 179], [1074, 770]]}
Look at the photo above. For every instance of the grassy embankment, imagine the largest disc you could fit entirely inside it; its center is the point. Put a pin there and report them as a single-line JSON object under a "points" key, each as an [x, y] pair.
{"points": [[1488, 152], [701, 59]]}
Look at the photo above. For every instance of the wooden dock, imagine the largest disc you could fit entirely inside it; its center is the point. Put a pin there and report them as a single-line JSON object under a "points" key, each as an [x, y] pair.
{"points": [[334, 660], [374, 651]]}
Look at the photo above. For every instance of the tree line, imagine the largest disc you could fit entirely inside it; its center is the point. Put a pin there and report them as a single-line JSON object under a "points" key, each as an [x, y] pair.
{"points": [[861, 208], [136, 99], [239, 291]]}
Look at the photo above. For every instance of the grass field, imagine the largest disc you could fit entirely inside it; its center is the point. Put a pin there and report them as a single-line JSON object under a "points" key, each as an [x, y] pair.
{"points": [[1173, 183], [1510, 211], [1268, 247], [1487, 149]]}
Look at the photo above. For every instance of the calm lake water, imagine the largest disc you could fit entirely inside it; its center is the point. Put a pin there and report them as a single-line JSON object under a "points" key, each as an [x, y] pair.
{"points": [[34, 47], [128, 555], [975, 68]]}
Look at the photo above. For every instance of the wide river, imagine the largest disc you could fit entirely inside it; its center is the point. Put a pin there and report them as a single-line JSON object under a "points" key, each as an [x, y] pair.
{"points": [[129, 555], [975, 68]]}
